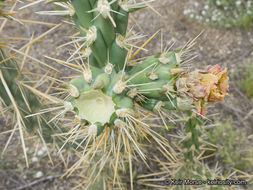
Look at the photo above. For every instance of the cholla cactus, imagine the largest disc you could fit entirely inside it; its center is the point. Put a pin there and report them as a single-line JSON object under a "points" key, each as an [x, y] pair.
{"points": [[114, 95], [111, 82], [110, 85], [191, 164], [17, 99], [177, 173]]}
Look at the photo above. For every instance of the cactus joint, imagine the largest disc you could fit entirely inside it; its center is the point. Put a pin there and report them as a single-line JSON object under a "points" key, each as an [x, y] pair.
{"points": [[94, 106]]}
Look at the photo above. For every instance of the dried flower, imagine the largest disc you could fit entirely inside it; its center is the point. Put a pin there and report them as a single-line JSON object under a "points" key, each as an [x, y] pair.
{"points": [[210, 85], [216, 82]]}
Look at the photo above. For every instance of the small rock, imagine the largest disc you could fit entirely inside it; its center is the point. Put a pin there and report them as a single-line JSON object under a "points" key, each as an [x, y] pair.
{"points": [[35, 159], [39, 174]]}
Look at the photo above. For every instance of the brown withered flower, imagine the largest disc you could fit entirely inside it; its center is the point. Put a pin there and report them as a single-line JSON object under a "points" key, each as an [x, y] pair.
{"points": [[210, 85]]}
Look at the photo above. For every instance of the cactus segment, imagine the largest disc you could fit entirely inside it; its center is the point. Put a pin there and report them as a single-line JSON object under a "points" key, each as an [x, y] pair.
{"points": [[9, 70], [122, 21], [106, 28], [193, 135], [93, 61], [104, 16], [159, 79], [99, 49], [104, 24], [81, 9], [27, 102], [92, 2], [123, 102], [117, 56], [93, 39], [101, 94]]}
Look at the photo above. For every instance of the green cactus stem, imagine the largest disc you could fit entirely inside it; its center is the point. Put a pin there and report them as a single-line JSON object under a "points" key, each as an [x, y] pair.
{"points": [[22, 102], [192, 140]]}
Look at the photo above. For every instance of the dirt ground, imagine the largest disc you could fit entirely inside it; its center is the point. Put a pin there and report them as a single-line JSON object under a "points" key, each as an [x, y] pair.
{"points": [[227, 47]]}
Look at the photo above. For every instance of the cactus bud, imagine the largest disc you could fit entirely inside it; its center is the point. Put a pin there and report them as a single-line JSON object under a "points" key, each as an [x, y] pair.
{"points": [[210, 85]]}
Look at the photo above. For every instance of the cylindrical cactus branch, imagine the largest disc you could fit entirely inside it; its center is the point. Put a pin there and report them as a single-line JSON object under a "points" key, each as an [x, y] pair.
{"points": [[154, 83], [109, 87], [192, 141], [192, 173], [103, 26], [21, 102], [10, 87]]}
